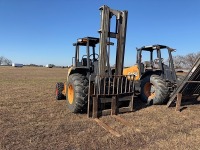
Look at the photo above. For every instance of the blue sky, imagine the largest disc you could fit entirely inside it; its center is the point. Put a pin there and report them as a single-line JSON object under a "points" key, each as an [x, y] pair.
{"points": [[42, 31]]}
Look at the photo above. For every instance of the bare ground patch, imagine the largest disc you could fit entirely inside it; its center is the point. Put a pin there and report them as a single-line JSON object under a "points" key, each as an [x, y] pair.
{"points": [[31, 118]]}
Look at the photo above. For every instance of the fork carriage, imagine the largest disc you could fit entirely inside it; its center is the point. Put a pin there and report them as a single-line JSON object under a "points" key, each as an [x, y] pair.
{"points": [[110, 95]]}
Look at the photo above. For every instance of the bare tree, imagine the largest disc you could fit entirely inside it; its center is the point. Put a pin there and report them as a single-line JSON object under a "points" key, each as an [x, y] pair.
{"points": [[178, 61], [186, 61], [5, 61], [191, 58]]}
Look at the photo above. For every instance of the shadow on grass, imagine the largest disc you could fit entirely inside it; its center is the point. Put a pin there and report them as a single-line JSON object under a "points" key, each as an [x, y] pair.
{"points": [[187, 101], [138, 104]]}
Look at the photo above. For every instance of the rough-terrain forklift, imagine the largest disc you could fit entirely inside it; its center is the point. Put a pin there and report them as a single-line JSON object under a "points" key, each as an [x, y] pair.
{"points": [[92, 84], [156, 78], [76, 88]]}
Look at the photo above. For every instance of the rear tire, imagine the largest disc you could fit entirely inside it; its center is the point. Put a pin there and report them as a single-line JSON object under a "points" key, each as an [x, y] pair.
{"points": [[77, 93], [154, 90], [59, 89]]}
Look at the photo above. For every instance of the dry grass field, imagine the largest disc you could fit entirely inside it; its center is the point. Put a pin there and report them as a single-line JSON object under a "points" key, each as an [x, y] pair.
{"points": [[31, 118]]}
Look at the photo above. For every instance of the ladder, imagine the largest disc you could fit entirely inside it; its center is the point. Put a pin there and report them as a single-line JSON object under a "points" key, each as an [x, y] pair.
{"points": [[190, 86]]}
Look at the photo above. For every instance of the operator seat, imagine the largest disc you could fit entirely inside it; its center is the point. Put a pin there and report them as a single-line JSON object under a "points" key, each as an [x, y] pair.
{"points": [[84, 61]]}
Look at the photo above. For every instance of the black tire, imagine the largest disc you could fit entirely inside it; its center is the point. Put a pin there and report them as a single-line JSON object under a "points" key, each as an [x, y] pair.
{"points": [[77, 93], [59, 89], [157, 93]]}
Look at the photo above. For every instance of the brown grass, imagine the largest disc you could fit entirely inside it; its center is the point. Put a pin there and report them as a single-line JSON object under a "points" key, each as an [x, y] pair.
{"points": [[31, 118]]}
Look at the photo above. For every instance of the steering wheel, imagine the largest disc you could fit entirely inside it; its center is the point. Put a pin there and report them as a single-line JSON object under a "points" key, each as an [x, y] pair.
{"points": [[84, 56], [94, 56]]}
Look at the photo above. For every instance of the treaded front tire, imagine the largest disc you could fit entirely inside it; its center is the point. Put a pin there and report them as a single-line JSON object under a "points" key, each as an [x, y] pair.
{"points": [[77, 93], [59, 89], [154, 90]]}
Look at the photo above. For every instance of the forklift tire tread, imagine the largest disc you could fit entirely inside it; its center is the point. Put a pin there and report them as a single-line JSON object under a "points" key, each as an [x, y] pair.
{"points": [[59, 89], [77, 98], [160, 90]]}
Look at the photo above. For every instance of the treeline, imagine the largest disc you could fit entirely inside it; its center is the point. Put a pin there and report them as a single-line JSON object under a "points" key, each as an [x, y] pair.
{"points": [[180, 61], [5, 61], [186, 61]]}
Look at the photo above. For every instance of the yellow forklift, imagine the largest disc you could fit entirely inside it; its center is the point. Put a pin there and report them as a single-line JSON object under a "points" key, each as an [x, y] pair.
{"points": [[92, 84], [155, 79]]}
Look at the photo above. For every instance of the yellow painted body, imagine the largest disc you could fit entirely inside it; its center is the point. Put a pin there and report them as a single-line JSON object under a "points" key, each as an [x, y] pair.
{"points": [[70, 94], [69, 71], [65, 89], [64, 92], [134, 70]]}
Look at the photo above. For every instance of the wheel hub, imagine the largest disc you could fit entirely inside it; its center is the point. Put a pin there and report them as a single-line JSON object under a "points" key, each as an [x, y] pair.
{"points": [[56, 91], [70, 94], [149, 90]]}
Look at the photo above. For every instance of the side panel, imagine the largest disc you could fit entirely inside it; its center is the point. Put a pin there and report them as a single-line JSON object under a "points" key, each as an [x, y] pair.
{"points": [[134, 70], [150, 72], [64, 92], [69, 72], [80, 70]]}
